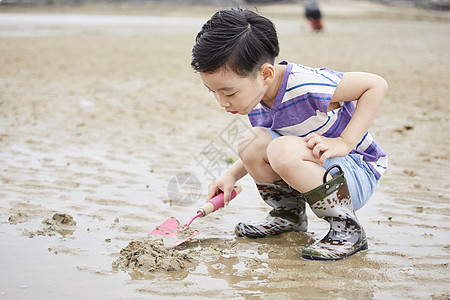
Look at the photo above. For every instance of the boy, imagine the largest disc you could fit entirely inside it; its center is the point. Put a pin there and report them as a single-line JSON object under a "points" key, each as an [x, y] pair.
{"points": [[308, 131]]}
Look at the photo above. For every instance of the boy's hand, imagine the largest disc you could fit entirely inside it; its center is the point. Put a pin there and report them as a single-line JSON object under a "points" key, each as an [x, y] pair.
{"points": [[223, 184], [324, 148]]}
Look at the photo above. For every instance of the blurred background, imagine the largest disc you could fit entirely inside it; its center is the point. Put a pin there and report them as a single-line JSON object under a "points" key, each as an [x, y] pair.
{"points": [[432, 4]]}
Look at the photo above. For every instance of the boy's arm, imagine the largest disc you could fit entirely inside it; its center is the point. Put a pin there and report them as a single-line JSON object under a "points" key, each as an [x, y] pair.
{"points": [[226, 182], [369, 91]]}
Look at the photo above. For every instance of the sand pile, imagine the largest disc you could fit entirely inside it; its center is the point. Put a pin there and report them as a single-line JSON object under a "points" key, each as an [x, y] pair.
{"points": [[17, 218], [148, 256], [59, 223]]}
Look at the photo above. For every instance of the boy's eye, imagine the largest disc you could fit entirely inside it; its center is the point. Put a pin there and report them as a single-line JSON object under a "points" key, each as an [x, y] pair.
{"points": [[231, 95]]}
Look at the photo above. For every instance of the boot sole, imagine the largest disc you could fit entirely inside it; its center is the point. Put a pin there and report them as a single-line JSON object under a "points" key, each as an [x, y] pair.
{"points": [[255, 234], [363, 247]]}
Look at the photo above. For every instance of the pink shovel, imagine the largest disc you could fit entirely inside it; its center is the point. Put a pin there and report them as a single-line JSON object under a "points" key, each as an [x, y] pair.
{"points": [[170, 229]]}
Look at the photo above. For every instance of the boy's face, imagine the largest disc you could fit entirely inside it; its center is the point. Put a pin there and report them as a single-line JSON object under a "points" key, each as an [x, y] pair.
{"points": [[237, 94]]}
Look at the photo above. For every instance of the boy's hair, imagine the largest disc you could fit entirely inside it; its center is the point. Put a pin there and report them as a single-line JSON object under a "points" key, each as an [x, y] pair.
{"points": [[236, 38]]}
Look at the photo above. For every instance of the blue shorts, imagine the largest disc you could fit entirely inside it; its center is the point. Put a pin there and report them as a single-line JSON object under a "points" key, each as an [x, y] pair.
{"points": [[361, 181]]}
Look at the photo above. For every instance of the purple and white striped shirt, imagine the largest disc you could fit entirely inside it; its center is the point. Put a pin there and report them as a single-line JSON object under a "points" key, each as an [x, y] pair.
{"points": [[301, 108]]}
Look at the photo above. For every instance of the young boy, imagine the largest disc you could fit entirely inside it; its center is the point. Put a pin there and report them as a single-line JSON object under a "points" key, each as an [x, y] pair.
{"points": [[307, 132]]}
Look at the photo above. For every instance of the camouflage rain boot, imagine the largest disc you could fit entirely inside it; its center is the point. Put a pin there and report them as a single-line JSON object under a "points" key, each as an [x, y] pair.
{"points": [[288, 213], [331, 202]]}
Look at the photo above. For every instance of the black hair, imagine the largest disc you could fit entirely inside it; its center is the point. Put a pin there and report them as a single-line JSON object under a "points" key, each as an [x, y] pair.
{"points": [[237, 38]]}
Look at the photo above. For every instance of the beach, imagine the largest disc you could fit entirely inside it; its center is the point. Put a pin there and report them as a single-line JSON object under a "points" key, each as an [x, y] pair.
{"points": [[103, 123]]}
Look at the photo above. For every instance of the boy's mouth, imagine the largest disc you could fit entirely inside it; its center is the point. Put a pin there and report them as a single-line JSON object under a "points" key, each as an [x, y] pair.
{"points": [[232, 111]]}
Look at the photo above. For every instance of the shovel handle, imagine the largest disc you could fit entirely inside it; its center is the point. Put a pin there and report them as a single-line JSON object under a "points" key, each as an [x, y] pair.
{"points": [[217, 202]]}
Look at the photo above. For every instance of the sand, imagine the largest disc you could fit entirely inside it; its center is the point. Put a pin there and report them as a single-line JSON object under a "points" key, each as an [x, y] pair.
{"points": [[59, 223], [100, 110], [150, 256]]}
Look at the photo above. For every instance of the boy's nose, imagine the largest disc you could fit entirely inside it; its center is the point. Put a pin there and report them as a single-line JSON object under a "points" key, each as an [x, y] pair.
{"points": [[223, 103]]}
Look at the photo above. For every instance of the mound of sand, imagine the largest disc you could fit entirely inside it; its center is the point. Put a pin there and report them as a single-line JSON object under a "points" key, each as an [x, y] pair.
{"points": [[59, 223], [148, 256]]}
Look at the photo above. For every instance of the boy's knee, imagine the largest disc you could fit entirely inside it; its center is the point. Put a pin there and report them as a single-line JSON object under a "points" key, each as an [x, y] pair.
{"points": [[276, 153], [283, 151], [253, 143]]}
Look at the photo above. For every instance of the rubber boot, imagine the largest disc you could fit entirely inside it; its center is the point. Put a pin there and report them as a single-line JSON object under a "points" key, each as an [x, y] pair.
{"points": [[288, 213], [331, 202]]}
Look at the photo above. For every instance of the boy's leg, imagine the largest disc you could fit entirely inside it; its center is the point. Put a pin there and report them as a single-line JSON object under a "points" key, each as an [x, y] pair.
{"points": [[294, 162], [288, 213], [254, 155], [332, 202], [328, 198], [360, 179]]}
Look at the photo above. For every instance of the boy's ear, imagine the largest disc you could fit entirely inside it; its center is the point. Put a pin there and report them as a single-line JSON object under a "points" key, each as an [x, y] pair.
{"points": [[267, 72]]}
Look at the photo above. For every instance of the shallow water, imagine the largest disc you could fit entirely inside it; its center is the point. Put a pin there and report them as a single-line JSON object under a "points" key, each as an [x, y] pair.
{"points": [[112, 206], [27, 25]]}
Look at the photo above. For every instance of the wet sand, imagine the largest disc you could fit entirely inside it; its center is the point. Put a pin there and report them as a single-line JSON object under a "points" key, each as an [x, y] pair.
{"points": [[97, 117]]}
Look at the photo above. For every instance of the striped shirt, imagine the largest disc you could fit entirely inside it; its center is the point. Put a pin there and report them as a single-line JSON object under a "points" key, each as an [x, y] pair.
{"points": [[301, 108]]}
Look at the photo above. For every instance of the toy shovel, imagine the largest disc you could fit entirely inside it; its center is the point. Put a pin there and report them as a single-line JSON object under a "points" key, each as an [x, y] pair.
{"points": [[170, 229]]}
